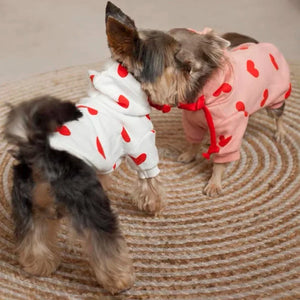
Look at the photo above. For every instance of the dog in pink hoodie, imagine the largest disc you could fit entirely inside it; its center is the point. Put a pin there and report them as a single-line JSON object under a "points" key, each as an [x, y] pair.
{"points": [[223, 87], [254, 76]]}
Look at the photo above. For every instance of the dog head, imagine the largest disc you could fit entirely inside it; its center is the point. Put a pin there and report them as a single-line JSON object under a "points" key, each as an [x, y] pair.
{"points": [[171, 66]]}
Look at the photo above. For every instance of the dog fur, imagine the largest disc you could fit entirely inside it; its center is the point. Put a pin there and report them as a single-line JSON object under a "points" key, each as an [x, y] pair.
{"points": [[173, 67]]}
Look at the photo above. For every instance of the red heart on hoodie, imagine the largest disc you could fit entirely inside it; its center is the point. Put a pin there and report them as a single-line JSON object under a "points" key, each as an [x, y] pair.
{"points": [[100, 148], [140, 159], [273, 60], [287, 94], [241, 48], [240, 106], [91, 111], [252, 69], [224, 141], [125, 135], [64, 130], [265, 97], [225, 88], [122, 71], [123, 101]]}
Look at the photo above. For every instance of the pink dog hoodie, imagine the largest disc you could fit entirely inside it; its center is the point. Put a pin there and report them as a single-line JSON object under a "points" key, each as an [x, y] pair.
{"points": [[254, 76]]}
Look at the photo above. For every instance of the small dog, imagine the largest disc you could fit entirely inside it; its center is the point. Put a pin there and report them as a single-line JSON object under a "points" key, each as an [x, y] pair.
{"points": [[173, 69], [61, 146], [218, 86]]}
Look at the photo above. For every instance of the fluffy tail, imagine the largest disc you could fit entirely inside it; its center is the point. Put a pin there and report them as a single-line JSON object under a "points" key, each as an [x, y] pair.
{"points": [[29, 123], [237, 39]]}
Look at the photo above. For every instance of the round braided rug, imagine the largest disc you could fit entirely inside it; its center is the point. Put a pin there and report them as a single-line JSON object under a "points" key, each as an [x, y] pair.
{"points": [[241, 245]]}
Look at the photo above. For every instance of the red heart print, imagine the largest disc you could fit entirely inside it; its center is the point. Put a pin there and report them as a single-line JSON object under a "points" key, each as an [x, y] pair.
{"points": [[148, 117], [125, 135], [122, 71], [123, 101], [64, 130], [91, 111], [252, 69], [265, 97], [287, 94], [140, 159], [225, 88], [240, 106], [224, 141], [274, 61], [92, 77], [100, 148], [206, 155], [114, 166], [241, 48]]}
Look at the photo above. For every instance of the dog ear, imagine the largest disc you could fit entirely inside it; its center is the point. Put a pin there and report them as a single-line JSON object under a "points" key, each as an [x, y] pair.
{"points": [[115, 12], [215, 46], [122, 35]]}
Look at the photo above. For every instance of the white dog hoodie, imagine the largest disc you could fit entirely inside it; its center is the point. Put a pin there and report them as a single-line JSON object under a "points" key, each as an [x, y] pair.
{"points": [[115, 124]]}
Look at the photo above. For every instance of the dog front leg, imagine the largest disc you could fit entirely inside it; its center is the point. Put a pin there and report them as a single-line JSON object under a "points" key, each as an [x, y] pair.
{"points": [[190, 154], [148, 195], [214, 185]]}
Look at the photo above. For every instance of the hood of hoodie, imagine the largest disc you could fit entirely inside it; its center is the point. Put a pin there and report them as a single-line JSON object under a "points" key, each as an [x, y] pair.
{"points": [[118, 90]]}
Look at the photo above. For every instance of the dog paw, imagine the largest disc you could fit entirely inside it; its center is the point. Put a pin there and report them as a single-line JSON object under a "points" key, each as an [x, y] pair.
{"points": [[148, 196], [213, 189], [121, 282], [280, 135], [149, 202], [112, 264], [186, 157]]}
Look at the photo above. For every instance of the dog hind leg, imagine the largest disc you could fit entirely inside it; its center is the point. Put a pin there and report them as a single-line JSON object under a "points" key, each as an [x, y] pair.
{"points": [[277, 114], [82, 195], [35, 232]]}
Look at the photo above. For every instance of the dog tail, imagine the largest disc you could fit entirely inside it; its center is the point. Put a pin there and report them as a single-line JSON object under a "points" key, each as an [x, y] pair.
{"points": [[28, 124], [237, 39]]}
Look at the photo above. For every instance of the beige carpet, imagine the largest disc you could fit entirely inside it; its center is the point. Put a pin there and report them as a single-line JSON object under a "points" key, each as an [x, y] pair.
{"points": [[242, 245]]}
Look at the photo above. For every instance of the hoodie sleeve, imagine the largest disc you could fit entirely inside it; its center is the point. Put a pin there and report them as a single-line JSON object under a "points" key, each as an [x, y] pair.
{"points": [[145, 157]]}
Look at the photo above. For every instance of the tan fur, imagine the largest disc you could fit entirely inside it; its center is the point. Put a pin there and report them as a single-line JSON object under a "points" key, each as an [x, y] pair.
{"points": [[148, 195], [37, 252], [109, 257], [280, 131], [214, 185], [105, 180], [168, 88], [190, 154]]}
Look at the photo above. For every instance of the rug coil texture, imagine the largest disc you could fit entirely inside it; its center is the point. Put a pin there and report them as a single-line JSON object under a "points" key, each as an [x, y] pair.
{"points": [[241, 245]]}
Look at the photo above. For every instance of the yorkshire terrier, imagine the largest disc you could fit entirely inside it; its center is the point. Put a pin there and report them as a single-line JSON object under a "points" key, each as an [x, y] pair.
{"points": [[218, 82], [61, 147], [174, 69]]}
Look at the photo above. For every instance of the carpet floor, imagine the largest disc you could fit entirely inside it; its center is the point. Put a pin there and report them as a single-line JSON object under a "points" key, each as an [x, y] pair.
{"points": [[241, 245]]}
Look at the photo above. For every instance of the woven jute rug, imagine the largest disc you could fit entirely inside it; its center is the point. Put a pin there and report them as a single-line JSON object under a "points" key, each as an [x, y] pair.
{"points": [[241, 245]]}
